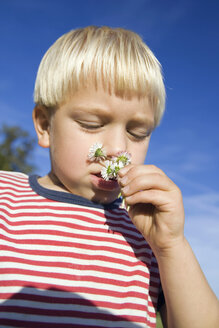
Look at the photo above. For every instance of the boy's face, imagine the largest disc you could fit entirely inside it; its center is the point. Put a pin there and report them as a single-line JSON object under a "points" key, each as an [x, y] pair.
{"points": [[92, 116]]}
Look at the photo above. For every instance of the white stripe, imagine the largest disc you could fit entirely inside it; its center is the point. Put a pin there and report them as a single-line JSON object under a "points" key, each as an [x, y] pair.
{"points": [[11, 184], [111, 238], [70, 295], [78, 250], [38, 223], [74, 271], [22, 201], [54, 208], [51, 208], [71, 218], [73, 230], [13, 175], [75, 307], [19, 192], [68, 320], [75, 261], [64, 294], [71, 283]]}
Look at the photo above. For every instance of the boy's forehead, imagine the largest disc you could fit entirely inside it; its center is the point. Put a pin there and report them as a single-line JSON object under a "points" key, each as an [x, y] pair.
{"points": [[108, 86], [88, 91]]}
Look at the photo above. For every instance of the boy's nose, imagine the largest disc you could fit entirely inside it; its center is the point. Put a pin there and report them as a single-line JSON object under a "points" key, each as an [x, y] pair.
{"points": [[115, 141]]}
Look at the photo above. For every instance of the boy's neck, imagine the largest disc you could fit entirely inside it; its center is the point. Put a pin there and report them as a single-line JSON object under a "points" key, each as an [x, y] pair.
{"points": [[51, 182]]}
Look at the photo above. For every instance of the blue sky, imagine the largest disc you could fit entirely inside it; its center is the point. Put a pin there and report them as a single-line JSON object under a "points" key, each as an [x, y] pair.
{"points": [[184, 35]]}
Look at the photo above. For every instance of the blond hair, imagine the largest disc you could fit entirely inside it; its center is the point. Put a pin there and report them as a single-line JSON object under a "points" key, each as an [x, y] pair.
{"points": [[115, 57]]}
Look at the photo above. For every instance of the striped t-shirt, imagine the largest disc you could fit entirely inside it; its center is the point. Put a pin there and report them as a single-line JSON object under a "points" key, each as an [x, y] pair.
{"points": [[68, 262]]}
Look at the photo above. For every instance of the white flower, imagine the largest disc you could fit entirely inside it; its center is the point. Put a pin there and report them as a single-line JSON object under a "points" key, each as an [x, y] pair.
{"points": [[96, 152], [124, 157], [111, 167], [107, 172], [117, 166]]}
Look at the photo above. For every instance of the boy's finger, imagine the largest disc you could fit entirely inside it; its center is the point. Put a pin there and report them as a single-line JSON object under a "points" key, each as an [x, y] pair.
{"points": [[124, 170], [150, 181]]}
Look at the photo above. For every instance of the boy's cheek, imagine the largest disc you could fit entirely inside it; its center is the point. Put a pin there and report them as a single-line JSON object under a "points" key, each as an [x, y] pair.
{"points": [[139, 153], [139, 158]]}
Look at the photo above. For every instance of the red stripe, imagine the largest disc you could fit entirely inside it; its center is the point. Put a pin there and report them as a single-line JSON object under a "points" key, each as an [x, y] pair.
{"points": [[70, 300], [21, 191], [71, 254], [13, 177], [35, 199], [75, 266], [71, 277], [25, 324], [16, 186], [48, 209], [54, 204], [57, 243], [112, 225], [109, 225], [20, 194], [68, 224], [71, 314], [74, 235], [72, 289]]}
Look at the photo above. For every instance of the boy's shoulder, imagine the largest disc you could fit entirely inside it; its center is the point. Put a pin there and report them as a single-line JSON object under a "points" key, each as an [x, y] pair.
{"points": [[12, 174], [10, 177]]}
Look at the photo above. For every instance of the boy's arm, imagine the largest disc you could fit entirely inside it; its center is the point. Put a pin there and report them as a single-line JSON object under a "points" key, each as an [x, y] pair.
{"points": [[189, 300], [156, 209]]}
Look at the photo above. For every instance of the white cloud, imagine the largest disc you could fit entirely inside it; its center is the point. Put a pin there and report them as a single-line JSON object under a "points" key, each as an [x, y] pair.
{"points": [[202, 231], [203, 204]]}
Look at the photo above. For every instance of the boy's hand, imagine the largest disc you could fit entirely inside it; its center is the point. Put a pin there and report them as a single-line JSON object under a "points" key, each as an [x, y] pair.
{"points": [[156, 206]]}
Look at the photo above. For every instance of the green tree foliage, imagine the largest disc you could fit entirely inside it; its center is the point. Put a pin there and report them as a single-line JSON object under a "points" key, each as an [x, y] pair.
{"points": [[16, 146]]}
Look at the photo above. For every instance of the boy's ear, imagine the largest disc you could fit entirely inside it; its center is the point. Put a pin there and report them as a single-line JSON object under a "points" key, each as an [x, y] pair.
{"points": [[41, 121]]}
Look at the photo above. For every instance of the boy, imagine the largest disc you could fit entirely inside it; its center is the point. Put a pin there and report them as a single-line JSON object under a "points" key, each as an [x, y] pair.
{"points": [[71, 256]]}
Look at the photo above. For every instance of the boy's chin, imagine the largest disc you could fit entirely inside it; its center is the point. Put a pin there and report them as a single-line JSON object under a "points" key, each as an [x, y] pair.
{"points": [[104, 185], [104, 191], [105, 197]]}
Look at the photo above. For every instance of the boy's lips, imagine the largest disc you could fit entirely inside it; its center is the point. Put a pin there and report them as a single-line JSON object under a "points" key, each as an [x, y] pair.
{"points": [[100, 183]]}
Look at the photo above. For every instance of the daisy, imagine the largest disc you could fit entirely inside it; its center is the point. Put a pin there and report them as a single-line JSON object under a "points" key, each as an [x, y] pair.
{"points": [[124, 157], [96, 152], [111, 167], [107, 172], [117, 166]]}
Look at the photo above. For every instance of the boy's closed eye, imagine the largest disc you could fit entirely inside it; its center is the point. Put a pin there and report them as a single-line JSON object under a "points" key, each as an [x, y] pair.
{"points": [[90, 125], [140, 136], [96, 120], [137, 134], [88, 121], [139, 131]]}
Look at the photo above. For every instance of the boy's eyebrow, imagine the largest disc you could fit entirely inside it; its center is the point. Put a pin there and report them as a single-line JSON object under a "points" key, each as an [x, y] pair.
{"points": [[92, 110]]}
